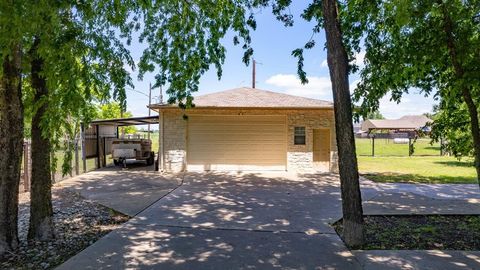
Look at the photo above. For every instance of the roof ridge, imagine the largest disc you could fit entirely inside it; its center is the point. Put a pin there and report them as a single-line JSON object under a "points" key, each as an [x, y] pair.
{"points": [[263, 90]]}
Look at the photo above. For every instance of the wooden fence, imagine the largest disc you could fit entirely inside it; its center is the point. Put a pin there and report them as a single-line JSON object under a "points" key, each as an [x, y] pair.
{"points": [[26, 169]]}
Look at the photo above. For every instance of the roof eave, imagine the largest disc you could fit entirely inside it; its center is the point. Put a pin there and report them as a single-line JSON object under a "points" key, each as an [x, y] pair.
{"points": [[157, 108]]}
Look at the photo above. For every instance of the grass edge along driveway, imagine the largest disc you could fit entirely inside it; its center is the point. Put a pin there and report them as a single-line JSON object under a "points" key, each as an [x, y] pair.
{"points": [[418, 169]]}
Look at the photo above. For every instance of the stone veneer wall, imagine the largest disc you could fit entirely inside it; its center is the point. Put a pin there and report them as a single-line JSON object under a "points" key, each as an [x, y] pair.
{"points": [[299, 157]]}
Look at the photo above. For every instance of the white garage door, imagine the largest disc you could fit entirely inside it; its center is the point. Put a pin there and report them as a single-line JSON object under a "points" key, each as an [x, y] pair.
{"points": [[236, 143]]}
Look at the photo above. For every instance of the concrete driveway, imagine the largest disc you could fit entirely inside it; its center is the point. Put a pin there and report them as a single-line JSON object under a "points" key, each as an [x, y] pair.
{"points": [[256, 221], [128, 191], [230, 221]]}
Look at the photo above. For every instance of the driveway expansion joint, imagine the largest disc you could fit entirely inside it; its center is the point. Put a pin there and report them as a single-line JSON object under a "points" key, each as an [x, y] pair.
{"points": [[242, 230]]}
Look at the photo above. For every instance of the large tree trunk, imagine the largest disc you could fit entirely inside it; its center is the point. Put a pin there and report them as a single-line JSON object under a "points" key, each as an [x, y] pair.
{"points": [[11, 143], [466, 94], [474, 126], [338, 65], [41, 212]]}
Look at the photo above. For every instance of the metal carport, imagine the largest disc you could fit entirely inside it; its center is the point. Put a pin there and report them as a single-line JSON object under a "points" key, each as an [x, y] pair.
{"points": [[96, 135]]}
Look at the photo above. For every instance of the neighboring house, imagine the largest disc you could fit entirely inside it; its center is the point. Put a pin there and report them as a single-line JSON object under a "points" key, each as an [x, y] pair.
{"points": [[412, 123], [248, 129]]}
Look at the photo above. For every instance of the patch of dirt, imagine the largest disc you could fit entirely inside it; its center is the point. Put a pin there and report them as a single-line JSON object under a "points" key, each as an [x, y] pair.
{"points": [[78, 224], [441, 232]]}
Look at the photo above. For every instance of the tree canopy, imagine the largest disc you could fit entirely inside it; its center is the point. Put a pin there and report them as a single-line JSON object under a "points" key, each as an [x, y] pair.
{"points": [[425, 46], [113, 110]]}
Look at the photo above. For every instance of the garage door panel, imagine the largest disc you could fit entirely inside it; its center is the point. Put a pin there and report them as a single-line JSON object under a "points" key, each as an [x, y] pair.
{"points": [[237, 139], [239, 129], [236, 143]]}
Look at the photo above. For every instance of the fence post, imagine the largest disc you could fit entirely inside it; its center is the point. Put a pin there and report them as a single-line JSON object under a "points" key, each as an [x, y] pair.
{"points": [[26, 166], [373, 146], [77, 170], [410, 147]]}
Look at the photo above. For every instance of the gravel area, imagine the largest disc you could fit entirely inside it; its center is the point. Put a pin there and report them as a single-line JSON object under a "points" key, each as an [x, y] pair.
{"points": [[78, 224]]}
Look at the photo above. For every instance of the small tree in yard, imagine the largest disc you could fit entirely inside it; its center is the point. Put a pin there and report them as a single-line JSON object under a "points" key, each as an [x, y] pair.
{"points": [[65, 70], [338, 65], [451, 126], [68, 54], [332, 16], [431, 46]]}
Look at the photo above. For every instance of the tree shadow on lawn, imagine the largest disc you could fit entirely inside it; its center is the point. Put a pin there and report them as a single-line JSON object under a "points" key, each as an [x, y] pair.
{"points": [[456, 163], [437, 148], [390, 177]]}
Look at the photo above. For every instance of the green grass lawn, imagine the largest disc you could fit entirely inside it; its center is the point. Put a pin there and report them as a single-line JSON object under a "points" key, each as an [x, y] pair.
{"points": [[392, 163], [417, 169]]}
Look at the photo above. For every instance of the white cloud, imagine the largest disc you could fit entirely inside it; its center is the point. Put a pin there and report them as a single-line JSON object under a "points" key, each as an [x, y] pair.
{"points": [[354, 85], [324, 63], [317, 87], [412, 104], [359, 58]]}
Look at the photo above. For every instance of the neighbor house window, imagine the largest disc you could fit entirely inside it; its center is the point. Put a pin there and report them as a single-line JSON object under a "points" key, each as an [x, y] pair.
{"points": [[299, 136]]}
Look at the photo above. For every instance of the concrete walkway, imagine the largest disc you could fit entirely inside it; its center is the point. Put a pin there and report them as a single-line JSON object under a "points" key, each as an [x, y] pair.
{"points": [[261, 221], [408, 199], [420, 199]]}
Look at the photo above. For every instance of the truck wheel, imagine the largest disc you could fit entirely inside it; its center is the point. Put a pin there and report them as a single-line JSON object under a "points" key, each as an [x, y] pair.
{"points": [[151, 159]]}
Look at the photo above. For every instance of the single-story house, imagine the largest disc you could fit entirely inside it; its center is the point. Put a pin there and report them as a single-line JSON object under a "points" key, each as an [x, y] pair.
{"points": [[248, 129]]}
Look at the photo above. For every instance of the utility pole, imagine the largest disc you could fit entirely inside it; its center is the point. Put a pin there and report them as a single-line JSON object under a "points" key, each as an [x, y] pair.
{"points": [[149, 104], [253, 74], [161, 95]]}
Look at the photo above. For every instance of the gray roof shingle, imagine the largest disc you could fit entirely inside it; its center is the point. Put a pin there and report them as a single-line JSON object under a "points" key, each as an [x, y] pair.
{"points": [[253, 98]]}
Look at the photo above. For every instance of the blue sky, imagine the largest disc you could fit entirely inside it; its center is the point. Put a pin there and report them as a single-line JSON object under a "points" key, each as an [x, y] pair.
{"points": [[276, 68]]}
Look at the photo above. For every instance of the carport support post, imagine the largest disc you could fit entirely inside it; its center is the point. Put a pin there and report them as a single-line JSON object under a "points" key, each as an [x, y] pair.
{"points": [[104, 152], [98, 145], [161, 140]]}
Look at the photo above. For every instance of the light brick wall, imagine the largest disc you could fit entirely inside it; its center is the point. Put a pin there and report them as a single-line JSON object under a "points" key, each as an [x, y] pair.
{"points": [[299, 157], [175, 134]]}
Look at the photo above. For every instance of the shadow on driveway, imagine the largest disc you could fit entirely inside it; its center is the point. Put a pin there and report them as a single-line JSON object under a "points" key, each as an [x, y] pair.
{"points": [[230, 221], [128, 191]]}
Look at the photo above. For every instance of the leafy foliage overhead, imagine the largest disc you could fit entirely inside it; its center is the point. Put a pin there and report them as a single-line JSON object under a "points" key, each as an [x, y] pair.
{"points": [[185, 38], [406, 49]]}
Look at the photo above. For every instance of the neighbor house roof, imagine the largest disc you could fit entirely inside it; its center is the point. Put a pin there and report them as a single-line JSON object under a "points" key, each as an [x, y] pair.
{"points": [[418, 120], [252, 98], [412, 122]]}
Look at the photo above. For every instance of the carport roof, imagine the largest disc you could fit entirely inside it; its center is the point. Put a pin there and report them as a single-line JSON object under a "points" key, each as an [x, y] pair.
{"points": [[252, 98], [132, 121]]}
